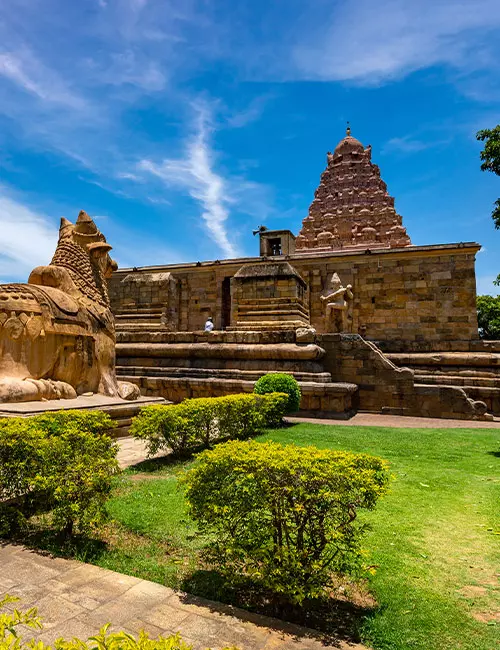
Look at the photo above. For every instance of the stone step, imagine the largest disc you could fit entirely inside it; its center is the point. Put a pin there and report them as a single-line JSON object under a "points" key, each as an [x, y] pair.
{"points": [[444, 379], [222, 373], [463, 360], [323, 399]]}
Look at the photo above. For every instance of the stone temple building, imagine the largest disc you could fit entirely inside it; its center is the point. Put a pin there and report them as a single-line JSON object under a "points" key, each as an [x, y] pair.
{"points": [[360, 316]]}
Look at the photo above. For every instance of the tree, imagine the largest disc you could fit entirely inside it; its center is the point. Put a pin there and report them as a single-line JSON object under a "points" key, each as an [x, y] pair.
{"points": [[490, 156], [488, 317]]}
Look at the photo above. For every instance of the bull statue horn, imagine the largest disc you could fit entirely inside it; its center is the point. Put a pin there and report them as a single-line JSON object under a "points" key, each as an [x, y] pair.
{"points": [[85, 225]]}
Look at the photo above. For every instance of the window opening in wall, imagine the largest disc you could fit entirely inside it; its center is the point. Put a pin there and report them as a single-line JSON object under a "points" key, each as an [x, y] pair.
{"points": [[275, 246], [226, 303]]}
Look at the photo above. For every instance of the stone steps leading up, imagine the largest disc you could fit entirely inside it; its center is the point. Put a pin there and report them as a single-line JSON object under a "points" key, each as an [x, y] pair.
{"points": [[323, 399], [222, 373], [476, 373]]}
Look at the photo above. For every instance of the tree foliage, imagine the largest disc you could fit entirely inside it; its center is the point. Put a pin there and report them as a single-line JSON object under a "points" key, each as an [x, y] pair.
{"points": [[204, 421], [57, 462], [280, 382], [284, 517], [488, 317], [490, 157]]}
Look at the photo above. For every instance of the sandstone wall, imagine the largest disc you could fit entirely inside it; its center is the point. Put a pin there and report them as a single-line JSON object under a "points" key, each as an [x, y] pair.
{"points": [[419, 297]]}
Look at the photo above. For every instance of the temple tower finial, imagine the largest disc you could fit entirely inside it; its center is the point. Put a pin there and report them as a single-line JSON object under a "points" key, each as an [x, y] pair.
{"points": [[348, 129]]}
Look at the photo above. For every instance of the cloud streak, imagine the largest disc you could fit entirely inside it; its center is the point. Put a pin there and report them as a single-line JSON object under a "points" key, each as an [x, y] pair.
{"points": [[370, 43], [195, 173], [27, 239]]}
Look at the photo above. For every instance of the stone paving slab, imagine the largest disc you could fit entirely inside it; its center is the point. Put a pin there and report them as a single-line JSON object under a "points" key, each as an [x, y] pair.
{"points": [[403, 421], [75, 599]]}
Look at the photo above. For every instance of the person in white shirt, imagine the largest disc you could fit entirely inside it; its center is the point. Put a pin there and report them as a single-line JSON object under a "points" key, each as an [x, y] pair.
{"points": [[209, 325]]}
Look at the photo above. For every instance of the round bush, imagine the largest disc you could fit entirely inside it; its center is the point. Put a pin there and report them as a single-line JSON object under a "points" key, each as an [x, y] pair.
{"points": [[279, 382]]}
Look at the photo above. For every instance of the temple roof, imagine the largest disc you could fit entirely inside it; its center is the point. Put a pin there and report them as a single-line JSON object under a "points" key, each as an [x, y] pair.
{"points": [[348, 143], [351, 206]]}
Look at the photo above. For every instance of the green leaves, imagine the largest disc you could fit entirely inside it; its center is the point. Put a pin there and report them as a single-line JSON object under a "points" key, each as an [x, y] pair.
{"points": [[61, 462], [284, 516], [488, 316], [200, 423], [11, 639], [279, 382], [490, 156]]}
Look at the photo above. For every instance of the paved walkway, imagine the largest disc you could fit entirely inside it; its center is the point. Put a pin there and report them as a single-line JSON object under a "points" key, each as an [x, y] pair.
{"points": [[76, 599], [403, 421]]}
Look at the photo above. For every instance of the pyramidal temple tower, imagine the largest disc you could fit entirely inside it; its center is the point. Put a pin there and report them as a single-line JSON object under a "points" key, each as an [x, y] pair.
{"points": [[352, 208]]}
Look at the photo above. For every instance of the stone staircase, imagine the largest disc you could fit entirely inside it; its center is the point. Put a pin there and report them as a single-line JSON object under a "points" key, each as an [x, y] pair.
{"points": [[142, 319], [176, 365], [477, 373]]}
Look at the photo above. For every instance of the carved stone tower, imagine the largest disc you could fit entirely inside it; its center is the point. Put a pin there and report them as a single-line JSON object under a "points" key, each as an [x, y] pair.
{"points": [[351, 208]]}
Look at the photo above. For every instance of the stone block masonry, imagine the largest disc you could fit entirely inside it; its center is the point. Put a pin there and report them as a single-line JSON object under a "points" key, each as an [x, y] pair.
{"points": [[416, 297]]}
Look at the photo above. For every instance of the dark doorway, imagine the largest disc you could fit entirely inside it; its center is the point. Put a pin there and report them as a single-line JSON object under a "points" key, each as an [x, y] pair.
{"points": [[226, 303]]}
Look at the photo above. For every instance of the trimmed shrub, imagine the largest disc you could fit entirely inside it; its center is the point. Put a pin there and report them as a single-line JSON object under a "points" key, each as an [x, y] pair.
{"points": [[280, 382], [284, 517], [10, 637], [60, 462], [199, 423]]}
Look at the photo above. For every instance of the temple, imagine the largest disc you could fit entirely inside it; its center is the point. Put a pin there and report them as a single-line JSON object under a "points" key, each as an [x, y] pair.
{"points": [[361, 317], [351, 207]]}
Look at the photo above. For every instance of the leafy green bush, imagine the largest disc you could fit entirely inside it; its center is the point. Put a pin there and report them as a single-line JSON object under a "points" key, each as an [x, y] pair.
{"points": [[280, 382], [284, 516], [11, 639], [201, 422], [61, 462], [488, 317]]}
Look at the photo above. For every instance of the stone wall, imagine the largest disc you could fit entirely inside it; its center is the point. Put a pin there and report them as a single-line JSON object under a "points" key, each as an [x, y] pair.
{"points": [[385, 388], [418, 297]]}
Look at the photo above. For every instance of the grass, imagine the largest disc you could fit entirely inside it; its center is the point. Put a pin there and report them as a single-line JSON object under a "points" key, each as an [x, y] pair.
{"points": [[435, 538]]}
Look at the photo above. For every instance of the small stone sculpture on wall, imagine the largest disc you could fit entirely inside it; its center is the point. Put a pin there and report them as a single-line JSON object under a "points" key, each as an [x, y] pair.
{"points": [[337, 305], [57, 333]]}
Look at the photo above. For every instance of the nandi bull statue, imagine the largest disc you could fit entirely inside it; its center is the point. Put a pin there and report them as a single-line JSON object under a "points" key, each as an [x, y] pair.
{"points": [[57, 333]]}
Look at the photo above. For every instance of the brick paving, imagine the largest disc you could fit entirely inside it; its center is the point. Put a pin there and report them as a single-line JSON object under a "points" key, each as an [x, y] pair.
{"points": [[76, 599]]}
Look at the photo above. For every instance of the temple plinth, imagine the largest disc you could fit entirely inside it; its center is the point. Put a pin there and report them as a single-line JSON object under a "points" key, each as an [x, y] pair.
{"points": [[351, 207]]}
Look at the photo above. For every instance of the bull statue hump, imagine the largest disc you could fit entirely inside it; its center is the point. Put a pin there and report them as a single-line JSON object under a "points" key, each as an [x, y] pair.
{"points": [[57, 333]]}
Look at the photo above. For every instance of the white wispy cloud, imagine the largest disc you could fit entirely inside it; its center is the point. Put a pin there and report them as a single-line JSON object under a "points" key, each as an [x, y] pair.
{"points": [[371, 42], [27, 238], [31, 75], [196, 173]]}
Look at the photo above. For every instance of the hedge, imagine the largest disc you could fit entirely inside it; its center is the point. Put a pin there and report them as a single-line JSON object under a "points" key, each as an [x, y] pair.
{"points": [[61, 462], [11, 638], [280, 382], [284, 517], [199, 423]]}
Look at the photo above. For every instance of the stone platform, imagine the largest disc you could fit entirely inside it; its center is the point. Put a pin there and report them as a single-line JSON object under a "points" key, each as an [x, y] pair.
{"points": [[177, 365], [477, 373], [119, 410]]}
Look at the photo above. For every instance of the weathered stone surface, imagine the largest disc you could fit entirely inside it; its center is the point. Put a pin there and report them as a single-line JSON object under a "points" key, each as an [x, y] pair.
{"points": [[351, 207], [58, 334], [268, 296]]}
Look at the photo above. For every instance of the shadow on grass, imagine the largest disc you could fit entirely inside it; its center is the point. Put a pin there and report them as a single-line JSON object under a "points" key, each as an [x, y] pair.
{"points": [[494, 453], [151, 465], [332, 620], [50, 542]]}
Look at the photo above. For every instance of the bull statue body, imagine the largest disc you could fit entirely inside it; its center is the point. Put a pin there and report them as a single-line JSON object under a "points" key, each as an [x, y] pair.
{"points": [[57, 333]]}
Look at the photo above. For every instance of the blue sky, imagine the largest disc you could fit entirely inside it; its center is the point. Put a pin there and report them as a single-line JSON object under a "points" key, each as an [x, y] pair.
{"points": [[182, 125]]}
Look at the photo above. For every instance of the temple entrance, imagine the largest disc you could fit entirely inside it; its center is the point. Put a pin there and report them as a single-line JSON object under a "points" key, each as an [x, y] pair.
{"points": [[226, 303]]}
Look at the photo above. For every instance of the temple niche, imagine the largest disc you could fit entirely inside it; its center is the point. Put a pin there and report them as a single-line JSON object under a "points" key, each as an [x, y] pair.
{"points": [[351, 208]]}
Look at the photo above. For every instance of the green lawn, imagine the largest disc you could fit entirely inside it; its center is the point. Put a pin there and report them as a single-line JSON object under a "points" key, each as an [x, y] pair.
{"points": [[435, 538]]}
